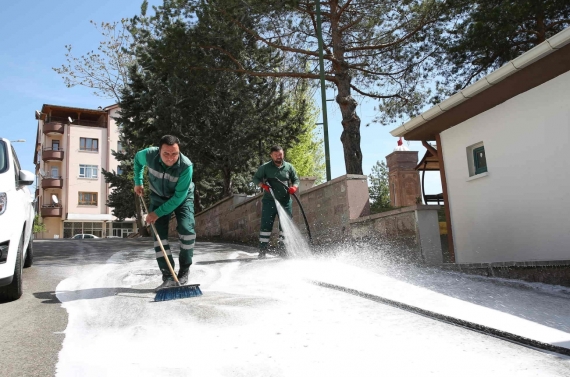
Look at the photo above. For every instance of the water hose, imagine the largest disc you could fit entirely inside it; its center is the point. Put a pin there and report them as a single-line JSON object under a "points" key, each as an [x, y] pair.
{"points": [[302, 211]]}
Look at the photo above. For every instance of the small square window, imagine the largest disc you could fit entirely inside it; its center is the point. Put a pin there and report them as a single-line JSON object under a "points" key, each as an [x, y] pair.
{"points": [[479, 160], [88, 144]]}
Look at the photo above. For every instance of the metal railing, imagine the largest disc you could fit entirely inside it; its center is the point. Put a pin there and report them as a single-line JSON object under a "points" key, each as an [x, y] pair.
{"points": [[79, 122], [53, 205]]}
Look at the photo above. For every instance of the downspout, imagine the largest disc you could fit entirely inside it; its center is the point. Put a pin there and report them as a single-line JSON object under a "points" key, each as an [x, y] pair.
{"points": [[107, 168], [67, 129]]}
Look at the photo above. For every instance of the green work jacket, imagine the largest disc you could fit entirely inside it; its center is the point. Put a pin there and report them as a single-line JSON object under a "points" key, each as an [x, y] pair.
{"points": [[269, 173], [170, 186]]}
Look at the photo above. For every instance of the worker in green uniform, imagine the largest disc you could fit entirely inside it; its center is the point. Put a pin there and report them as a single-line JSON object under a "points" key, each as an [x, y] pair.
{"points": [[172, 190], [268, 175]]}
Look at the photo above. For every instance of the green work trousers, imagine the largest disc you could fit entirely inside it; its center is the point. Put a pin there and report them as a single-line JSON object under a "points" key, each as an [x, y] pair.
{"points": [[268, 213], [185, 227]]}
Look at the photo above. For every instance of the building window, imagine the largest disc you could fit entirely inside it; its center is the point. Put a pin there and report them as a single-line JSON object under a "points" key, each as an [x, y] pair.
{"points": [[479, 160], [88, 171], [87, 144], [71, 228], [87, 199], [120, 147], [119, 170]]}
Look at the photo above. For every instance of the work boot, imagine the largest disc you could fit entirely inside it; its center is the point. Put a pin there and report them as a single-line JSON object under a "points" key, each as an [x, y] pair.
{"points": [[262, 254], [166, 283], [167, 280], [183, 274]]}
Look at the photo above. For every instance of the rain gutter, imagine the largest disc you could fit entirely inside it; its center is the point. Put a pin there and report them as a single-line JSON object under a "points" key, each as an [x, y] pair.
{"points": [[545, 48]]}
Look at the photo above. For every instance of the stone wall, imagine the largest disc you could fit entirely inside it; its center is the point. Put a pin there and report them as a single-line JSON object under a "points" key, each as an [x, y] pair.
{"points": [[411, 233], [329, 207], [337, 211]]}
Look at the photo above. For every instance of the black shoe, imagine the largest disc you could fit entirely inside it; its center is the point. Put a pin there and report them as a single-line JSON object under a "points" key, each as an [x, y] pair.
{"points": [[183, 274], [262, 254]]}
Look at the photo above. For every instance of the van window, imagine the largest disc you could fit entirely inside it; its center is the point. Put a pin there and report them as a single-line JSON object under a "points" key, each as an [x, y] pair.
{"points": [[3, 157]]}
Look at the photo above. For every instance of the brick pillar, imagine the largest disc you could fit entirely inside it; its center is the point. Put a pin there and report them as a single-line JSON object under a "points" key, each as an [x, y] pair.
{"points": [[403, 179]]}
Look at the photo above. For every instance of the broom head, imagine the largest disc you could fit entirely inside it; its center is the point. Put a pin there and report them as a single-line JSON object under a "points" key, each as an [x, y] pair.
{"points": [[181, 291]]}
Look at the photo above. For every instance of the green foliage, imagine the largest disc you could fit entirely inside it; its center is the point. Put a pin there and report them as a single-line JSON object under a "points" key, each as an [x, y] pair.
{"points": [[378, 49], [379, 189], [224, 120], [307, 156], [39, 226], [483, 35], [122, 198]]}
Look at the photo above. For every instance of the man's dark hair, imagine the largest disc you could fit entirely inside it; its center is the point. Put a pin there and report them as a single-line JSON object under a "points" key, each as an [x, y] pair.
{"points": [[168, 140], [276, 148]]}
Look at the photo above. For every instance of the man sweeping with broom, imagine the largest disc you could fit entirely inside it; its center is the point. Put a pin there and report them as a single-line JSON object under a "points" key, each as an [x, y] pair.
{"points": [[276, 175], [172, 191]]}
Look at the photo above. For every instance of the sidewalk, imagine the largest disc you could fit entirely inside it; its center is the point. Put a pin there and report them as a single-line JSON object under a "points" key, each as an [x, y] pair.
{"points": [[537, 311]]}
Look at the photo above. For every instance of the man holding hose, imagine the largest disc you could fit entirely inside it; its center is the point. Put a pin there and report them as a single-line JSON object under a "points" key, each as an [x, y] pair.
{"points": [[172, 191], [283, 180]]}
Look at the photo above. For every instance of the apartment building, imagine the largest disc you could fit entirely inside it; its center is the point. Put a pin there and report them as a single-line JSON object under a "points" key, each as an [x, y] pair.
{"points": [[73, 145]]}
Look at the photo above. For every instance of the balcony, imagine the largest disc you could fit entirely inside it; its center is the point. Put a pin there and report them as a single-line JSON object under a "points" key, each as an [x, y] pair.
{"points": [[91, 121], [53, 127], [51, 182], [49, 154], [51, 210]]}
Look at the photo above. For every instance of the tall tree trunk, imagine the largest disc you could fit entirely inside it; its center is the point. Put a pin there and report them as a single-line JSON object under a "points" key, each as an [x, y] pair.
{"points": [[197, 201], [540, 28], [351, 126], [139, 215], [227, 182], [350, 136]]}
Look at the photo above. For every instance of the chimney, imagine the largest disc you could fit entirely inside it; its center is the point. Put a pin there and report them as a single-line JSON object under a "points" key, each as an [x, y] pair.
{"points": [[403, 179]]}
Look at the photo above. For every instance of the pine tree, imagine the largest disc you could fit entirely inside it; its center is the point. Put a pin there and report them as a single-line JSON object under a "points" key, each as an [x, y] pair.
{"points": [[378, 49], [483, 35], [223, 119], [379, 189]]}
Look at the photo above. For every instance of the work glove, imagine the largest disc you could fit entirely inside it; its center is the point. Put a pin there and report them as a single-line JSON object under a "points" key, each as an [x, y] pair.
{"points": [[292, 190], [265, 187]]}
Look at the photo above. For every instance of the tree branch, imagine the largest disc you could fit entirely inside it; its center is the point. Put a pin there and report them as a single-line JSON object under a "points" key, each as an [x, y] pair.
{"points": [[377, 96], [394, 43], [303, 75]]}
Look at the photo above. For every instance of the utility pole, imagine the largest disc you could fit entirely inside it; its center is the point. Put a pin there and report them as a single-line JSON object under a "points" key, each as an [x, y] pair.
{"points": [[323, 90]]}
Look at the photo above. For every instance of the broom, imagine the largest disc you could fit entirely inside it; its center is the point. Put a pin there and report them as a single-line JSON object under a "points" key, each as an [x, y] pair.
{"points": [[179, 291]]}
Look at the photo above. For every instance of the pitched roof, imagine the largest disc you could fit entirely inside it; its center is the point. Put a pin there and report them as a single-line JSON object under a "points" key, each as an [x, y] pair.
{"points": [[544, 62]]}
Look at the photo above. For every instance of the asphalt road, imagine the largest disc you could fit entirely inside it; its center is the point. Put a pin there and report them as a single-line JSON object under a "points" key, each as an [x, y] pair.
{"points": [[88, 310], [31, 328]]}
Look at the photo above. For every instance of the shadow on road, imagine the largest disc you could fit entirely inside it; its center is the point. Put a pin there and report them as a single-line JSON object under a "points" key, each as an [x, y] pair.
{"points": [[50, 297], [227, 261]]}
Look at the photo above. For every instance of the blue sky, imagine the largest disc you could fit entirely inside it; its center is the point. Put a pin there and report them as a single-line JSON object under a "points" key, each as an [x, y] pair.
{"points": [[34, 34]]}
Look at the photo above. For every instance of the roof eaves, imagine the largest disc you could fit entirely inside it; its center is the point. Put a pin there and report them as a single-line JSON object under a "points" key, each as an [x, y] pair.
{"points": [[545, 48]]}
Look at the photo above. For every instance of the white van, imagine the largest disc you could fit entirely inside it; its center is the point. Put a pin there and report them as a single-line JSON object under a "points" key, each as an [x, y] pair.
{"points": [[16, 222]]}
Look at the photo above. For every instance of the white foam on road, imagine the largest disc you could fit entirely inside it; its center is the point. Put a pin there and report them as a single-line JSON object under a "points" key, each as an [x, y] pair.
{"points": [[264, 318]]}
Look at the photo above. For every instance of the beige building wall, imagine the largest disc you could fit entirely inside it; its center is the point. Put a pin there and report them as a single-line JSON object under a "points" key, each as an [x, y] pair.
{"points": [[82, 216], [113, 140], [77, 157]]}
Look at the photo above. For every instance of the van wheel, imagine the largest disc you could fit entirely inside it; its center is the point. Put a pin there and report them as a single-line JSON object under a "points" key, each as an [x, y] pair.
{"points": [[13, 291], [30, 253]]}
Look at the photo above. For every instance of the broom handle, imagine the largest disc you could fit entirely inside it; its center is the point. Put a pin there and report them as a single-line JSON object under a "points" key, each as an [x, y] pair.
{"points": [[161, 247]]}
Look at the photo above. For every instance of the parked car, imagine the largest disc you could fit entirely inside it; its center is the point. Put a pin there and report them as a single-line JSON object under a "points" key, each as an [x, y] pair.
{"points": [[83, 236], [16, 222]]}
